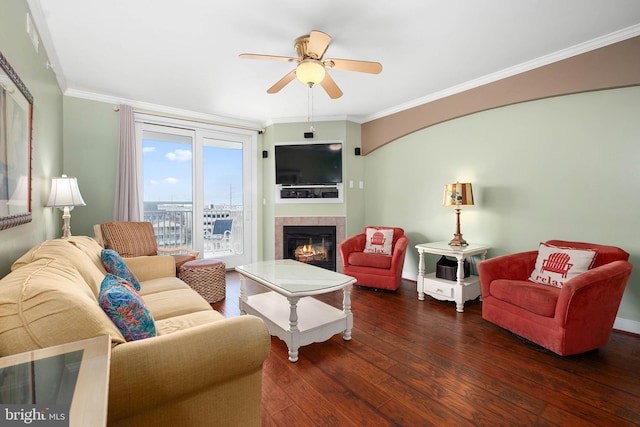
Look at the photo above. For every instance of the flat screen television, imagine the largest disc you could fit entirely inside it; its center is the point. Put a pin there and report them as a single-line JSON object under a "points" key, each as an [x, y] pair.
{"points": [[308, 164]]}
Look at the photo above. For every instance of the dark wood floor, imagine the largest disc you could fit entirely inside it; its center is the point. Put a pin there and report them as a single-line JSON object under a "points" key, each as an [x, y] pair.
{"points": [[419, 363]]}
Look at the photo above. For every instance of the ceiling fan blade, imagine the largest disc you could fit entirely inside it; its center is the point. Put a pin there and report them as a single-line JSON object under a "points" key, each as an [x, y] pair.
{"points": [[330, 86], [318, 44], [269, 57], [282, 82], [354, 65]]}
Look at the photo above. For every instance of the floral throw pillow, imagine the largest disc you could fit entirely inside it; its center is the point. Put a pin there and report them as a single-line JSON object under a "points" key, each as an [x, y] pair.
{"points": [[126, 309], [115, 265], [556, 265], [378, 241]]}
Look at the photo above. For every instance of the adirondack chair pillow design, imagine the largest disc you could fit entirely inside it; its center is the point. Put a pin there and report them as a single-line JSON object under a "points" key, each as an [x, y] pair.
{"points": [[378, 241], [556, 265]]}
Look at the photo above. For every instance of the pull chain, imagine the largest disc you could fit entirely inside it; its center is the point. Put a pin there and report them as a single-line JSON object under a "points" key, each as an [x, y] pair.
{"points": [[310, 108]]}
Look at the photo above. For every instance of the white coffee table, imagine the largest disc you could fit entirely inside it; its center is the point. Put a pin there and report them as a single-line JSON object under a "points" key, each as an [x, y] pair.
{"points": [[297, 320]]}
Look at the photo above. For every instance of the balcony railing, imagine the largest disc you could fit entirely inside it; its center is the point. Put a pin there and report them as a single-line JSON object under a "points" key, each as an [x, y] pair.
{"points": [[173, 229]]}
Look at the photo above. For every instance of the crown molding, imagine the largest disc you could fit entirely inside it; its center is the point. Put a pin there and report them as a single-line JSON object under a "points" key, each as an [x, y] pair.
{"points": [[162, 109], [572, 51]]}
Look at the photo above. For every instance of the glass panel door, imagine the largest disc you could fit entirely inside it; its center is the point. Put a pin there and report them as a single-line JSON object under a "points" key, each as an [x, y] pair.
{"points": [[199, 187], [224, 199], [167, 177]]}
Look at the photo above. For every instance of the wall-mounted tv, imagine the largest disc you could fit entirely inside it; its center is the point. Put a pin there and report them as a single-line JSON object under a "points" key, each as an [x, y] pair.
{"points": [[309, 164]]}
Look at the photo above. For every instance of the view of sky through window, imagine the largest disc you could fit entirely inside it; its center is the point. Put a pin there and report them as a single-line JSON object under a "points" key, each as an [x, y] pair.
{"points": [[168, 173]]}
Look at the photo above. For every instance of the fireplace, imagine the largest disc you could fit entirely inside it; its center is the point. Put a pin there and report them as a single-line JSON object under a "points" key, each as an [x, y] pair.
{"points": [[310, 244]]}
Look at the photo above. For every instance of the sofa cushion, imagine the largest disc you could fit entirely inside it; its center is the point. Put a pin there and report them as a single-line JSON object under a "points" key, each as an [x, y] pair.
{"points": [[378, 241], [557, 265], [115, 265], [533, 297], [64, 250], [161, 285], [176, 302], [91, 248], [185, 321], [362, 259], [125, 307], [46, 303], [151, 267]]}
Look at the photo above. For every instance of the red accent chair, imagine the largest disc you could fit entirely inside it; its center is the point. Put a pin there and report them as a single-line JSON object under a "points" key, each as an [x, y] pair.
{"points": [[374, 270], [573, 319]]}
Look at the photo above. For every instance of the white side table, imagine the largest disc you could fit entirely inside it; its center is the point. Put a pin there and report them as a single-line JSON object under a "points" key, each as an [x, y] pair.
{"points": [[463, 289]]}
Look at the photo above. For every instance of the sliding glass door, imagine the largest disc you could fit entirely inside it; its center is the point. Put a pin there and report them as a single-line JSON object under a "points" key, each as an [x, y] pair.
{"points": [[224, 197], [167, 177], [198, 183]]}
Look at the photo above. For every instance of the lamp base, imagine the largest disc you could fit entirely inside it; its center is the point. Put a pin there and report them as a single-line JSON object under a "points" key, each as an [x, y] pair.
{"points": [[66, 222], [458, 240]]}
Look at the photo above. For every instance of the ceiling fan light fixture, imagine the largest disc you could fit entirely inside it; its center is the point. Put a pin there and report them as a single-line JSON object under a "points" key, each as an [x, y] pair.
{"points": [[310, 72]]}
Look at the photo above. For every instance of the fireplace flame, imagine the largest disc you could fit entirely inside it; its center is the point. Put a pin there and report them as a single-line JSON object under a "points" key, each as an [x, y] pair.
{"points": [[309, 253]]}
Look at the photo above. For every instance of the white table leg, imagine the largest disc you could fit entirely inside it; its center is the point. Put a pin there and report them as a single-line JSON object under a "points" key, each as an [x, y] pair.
{"points": [[460, 280], [294, 340], [243, 294], [420, 283], [346, 308]]}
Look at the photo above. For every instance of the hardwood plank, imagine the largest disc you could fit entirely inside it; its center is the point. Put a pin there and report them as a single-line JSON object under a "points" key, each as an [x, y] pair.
{"points": [[416, 362]]}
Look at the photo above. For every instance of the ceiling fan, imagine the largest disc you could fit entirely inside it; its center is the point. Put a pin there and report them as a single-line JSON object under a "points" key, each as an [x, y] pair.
{"points": [[311, 68]]}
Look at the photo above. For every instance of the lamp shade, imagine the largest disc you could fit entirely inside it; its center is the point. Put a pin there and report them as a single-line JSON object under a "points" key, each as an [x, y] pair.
{"points": [[65, 192], [310, 71], [458, 194]]}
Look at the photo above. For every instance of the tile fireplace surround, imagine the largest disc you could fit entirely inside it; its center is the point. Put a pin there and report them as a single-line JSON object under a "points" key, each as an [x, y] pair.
{"points": [[339, 222]]}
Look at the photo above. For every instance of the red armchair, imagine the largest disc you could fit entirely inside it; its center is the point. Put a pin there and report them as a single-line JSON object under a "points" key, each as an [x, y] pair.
{"points": [[573, 319], [372, 269]]}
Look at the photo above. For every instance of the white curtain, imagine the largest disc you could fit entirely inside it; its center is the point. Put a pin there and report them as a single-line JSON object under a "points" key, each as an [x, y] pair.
{"points": [[126, 206]]}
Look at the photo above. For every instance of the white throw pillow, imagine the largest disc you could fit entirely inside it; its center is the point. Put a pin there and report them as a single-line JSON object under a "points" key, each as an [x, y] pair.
{"points": [[556, 265], [378, 241]]}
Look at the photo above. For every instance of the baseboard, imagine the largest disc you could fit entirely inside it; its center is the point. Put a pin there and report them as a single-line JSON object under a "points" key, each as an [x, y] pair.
{"points": [[627, 325]]}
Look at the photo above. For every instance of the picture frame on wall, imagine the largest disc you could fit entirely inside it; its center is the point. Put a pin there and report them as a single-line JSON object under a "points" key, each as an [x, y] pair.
{"points": [[16, 120]]}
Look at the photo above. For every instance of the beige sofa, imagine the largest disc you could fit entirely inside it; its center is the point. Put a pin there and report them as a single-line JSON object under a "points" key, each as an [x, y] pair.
{"points": [[201, 369]]}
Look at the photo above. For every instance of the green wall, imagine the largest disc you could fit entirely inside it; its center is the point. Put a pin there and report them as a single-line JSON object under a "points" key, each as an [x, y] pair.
{"points": [[91, 138], [47, 133], [559, 168]]}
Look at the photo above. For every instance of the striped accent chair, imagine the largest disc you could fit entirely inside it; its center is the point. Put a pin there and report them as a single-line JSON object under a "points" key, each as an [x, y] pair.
{"points": [[132, 239]]}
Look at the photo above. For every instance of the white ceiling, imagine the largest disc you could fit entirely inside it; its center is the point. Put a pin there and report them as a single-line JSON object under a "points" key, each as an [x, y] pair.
{"points": [[183, 55]]}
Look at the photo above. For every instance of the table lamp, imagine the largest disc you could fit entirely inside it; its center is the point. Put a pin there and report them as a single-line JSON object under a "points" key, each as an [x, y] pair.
{"points": [[65, 194], [457, 195]]}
